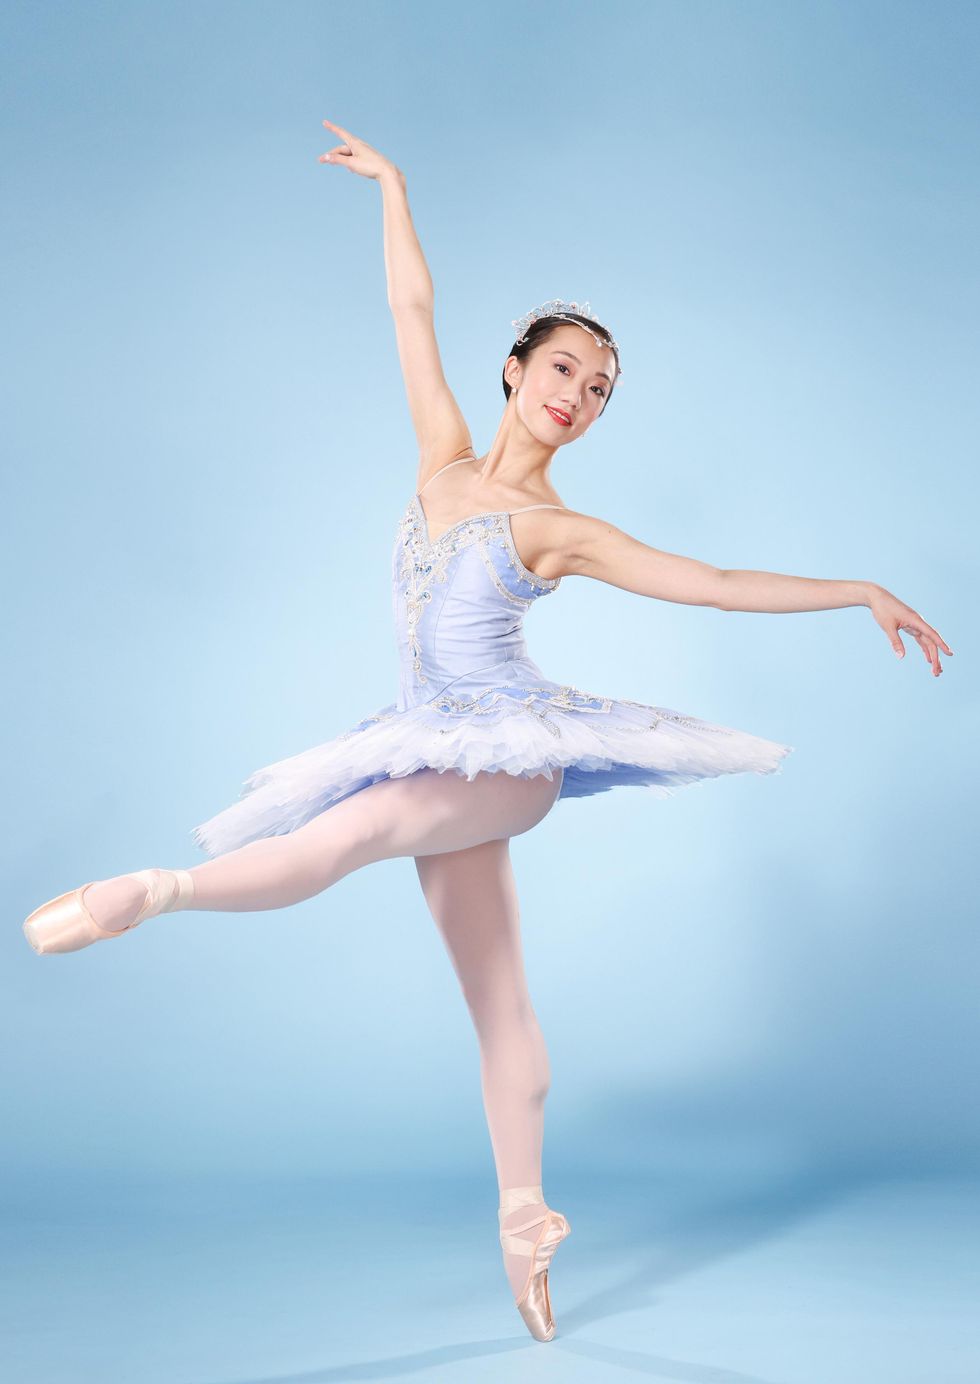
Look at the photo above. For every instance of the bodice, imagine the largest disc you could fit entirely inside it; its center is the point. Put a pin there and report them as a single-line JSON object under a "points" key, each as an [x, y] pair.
{"points": [[459, 605]]}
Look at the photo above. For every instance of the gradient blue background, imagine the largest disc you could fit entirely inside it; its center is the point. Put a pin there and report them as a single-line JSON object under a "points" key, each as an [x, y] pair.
{"points": [[760, 994]]}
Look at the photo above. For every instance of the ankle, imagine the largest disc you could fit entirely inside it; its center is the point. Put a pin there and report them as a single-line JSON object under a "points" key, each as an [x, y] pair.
{"points": [[115, 904], [516, 1198], [184, 893]]}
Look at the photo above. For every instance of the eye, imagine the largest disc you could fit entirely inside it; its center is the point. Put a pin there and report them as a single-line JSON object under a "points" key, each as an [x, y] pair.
{"points": [[559, 364]]}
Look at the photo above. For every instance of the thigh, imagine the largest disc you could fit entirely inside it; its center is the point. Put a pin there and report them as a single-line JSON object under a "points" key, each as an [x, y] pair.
{"points": [[431, 813], [472, 896]]}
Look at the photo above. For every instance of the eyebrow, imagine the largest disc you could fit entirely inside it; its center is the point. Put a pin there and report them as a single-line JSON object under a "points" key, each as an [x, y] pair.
{"points": [[578, 362]]}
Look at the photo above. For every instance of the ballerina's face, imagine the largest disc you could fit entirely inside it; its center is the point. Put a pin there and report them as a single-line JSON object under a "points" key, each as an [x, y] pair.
{"points": [[564, 385]]}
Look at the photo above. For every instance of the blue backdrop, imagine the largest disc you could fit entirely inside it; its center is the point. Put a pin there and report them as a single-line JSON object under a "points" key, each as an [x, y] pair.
{"points": [[207, 450]]}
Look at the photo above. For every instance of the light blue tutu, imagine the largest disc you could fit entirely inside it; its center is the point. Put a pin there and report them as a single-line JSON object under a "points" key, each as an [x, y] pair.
{"points": [[471, 700]]}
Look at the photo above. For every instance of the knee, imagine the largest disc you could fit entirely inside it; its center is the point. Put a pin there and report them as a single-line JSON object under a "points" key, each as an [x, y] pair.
{"points": [[351, 824]]}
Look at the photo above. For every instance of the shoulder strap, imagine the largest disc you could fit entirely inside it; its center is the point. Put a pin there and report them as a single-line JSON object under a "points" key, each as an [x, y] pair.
{"points": [[446, 468], [460, 462]]}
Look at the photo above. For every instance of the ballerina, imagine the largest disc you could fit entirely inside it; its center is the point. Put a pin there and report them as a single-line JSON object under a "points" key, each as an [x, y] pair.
{"points": [[479, 744]]}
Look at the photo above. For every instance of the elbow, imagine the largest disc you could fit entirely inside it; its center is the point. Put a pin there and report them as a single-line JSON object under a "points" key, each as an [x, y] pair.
{"points": [[720, 593], [419, 301]]}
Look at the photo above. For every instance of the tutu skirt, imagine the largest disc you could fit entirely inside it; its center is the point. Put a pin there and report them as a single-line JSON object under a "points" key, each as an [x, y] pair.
{"points": [[599, 742]]}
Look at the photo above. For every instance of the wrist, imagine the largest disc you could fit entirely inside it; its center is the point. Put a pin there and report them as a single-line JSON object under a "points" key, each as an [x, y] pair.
{"points": [[392, 177], [867, 592]]}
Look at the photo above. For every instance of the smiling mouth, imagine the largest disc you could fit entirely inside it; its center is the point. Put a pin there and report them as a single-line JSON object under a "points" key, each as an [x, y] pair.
{"points": [[558, 416]]}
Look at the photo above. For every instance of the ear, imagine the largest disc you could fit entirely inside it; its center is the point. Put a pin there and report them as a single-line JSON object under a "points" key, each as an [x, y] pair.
{"points": [[513, 371]]}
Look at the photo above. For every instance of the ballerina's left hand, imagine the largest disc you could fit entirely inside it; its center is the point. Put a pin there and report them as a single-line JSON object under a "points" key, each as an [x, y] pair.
{"points": [[894, 615]]}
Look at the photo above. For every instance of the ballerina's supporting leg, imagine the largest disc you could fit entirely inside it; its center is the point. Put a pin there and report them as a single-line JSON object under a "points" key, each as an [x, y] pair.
{"points": [[472, 897], [425, 813]]}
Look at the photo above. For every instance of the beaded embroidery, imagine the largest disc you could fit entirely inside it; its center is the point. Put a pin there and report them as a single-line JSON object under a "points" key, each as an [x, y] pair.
{"points": [[501, 526], [525, 602], [425, 563], [563, 698], [693, 721]]}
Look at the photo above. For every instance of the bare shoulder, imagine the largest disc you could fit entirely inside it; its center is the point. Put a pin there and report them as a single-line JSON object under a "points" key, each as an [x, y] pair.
{"points": [[569, 540], [559, 542]]}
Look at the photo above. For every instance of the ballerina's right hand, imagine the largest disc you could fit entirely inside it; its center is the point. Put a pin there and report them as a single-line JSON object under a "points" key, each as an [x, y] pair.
{"points": [[356, 155]]}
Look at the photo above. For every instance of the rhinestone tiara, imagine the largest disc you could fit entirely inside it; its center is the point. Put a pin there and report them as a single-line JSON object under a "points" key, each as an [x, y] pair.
{"points": [[557, 307]]}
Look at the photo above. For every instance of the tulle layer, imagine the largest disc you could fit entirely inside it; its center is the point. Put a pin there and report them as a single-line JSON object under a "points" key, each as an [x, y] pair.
{"points": [[599, 742]]}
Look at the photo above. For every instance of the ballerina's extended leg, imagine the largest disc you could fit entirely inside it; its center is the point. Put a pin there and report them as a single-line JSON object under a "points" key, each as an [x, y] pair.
{"points": [[421, 814]]}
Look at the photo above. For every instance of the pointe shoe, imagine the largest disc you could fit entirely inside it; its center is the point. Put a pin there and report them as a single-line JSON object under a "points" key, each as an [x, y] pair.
{"points": [[65, 924], [534, 1303]]}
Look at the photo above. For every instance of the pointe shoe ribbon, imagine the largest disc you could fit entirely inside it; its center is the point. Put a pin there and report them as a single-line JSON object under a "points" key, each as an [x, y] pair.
{"points": [[534, 1303], [64, 924]]}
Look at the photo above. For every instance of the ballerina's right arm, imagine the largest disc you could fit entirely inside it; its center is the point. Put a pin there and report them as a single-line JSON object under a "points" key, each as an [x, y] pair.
{"points": [[439, 424]]}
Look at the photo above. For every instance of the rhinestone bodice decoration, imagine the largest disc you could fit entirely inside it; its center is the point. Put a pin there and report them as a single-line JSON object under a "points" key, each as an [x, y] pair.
{"points": [[459, 604]]}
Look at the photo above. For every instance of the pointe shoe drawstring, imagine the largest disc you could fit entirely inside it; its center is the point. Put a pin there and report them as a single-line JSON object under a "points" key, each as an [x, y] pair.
{"points": [[64, 924], [534, 1303]]}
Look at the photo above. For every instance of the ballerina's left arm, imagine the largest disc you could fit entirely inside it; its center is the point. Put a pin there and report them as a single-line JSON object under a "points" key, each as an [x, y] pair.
{"points": [[594, 548]]}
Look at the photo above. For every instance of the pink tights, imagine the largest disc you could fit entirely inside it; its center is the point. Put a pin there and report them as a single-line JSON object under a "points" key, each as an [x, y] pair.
{"points": [[458, 831]]}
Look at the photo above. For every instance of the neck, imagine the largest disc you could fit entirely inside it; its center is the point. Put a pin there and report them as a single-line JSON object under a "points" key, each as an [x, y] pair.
{"points": [[516, 459]]}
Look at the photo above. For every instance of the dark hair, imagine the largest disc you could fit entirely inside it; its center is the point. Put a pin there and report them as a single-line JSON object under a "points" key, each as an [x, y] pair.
{"points": [[540, 331]]}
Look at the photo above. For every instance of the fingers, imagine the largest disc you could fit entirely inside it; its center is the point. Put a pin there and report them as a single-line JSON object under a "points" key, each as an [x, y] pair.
{"points": [[932, 655], [339, 129], [929, 633], [928, 646], [930, 641], [334, 155]]}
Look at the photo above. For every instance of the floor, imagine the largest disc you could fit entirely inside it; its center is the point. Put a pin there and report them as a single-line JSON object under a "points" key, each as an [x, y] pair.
{"points": [[302, 1282]]}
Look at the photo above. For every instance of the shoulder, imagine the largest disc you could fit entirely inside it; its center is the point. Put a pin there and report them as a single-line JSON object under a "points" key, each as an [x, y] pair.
{"points": [[565, 541]]}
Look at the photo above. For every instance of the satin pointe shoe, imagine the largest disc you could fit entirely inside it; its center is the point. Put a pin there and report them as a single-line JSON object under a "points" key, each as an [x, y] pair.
{"points": [[64, 924], [534, 1303]]}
